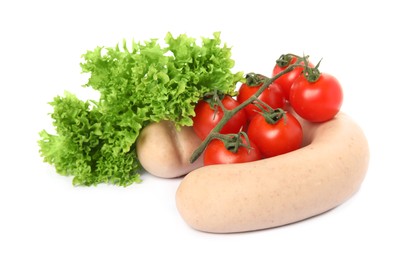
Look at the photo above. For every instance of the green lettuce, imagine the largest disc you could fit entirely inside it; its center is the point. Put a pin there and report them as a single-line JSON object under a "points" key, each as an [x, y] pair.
{"points": [[94, 140]]}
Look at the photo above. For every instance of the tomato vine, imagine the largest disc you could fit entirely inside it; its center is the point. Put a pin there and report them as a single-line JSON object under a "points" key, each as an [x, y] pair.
{"points": [[228, 114]]}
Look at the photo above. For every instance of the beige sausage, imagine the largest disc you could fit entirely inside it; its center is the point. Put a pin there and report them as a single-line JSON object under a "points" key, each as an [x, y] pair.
{"points": [[280, 190], [165, 151]]}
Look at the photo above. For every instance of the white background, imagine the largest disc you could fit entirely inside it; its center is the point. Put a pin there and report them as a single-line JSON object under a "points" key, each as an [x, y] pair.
{"points": [[42, 216]]}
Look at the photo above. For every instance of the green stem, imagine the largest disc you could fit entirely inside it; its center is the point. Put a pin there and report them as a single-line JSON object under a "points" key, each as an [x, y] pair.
{"points": [[228, 114], [233, 142], [285, 59], [271, 115], [312, 74], [254, 80]]}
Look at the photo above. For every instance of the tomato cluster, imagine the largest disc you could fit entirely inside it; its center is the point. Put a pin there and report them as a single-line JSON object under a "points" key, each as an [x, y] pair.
{"points": [[315, 96], [269, 129]]}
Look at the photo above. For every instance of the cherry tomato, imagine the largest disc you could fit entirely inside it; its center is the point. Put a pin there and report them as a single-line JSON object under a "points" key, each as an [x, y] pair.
{"points": [[217, 153], [317, 101], [207, 118], [286, 80], [283, 136], [272, 96]]}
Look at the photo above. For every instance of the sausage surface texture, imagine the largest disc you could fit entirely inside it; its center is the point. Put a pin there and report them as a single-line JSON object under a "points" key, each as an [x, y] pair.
{"points": [[272, 192], [165, 151]]}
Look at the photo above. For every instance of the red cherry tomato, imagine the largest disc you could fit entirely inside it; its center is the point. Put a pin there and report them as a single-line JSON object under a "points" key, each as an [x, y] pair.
{"points": [[217, 153], [272, 96], [286, 80], [275, 138], [317, 101], [207, 118]]}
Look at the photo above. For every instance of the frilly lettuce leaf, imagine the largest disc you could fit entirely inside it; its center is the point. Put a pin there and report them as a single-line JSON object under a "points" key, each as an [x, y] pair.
{"points": [[95, 139]]}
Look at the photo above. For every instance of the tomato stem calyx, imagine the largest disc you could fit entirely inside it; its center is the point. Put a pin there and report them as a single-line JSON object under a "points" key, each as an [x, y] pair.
{"points": [[233, 142], [285, 59], [254, 79], [214, 100], [271, 115], [311, 74]]}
